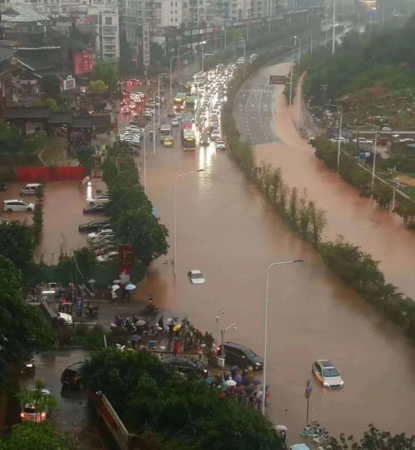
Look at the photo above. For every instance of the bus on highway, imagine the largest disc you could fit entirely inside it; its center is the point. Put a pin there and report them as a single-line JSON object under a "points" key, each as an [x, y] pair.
{"points": [[191, 104], [179, 100], [189, 140]]}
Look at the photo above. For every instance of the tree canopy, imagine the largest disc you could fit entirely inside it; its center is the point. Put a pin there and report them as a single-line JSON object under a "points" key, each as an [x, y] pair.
{"points": [[34, 436], [23, 329], [129, 209], [106, 71], [189, 413], [383, 54], [17, 242]]}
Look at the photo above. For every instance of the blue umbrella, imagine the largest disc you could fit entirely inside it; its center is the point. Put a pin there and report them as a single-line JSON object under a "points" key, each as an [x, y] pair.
{"points": [[130, 287]]}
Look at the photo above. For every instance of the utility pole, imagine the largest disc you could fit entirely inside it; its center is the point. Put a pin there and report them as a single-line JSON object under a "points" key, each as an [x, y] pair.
{"points": [[307, 395]]}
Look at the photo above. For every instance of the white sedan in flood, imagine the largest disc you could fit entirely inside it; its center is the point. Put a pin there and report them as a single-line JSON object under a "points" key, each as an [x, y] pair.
{"points": [[196, 277]]}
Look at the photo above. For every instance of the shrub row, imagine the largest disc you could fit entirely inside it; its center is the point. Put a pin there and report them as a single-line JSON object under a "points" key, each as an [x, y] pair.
{"points": [[361, 179], [355, 267]]}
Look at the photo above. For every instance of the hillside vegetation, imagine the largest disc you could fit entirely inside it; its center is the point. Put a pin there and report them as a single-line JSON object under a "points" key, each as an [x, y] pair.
{"points": [[371, 74]]}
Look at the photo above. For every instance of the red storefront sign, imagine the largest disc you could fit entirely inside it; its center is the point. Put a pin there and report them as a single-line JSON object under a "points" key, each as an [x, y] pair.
{"points": [[83, 63], [126, 253]]}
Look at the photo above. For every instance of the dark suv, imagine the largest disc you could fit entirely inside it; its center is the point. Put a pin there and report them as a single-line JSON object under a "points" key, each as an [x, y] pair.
{"points": [[71, 377], [241, 356]]}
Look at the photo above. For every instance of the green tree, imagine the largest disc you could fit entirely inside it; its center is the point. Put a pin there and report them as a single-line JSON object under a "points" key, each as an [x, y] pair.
{"points": [[23, 329], [51, 104], [34, 436], [85, 156], [17, 242], [157, 404], [374, 439], [142, 230], [97, 87], [107, 71]]}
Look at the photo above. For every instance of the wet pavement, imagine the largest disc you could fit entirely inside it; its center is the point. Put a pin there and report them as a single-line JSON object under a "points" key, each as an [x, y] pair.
{"points": [[72, 415]]}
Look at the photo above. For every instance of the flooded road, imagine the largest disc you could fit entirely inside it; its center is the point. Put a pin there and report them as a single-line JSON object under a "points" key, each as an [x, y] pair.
{"points": [[225, 229], [359, 220]]}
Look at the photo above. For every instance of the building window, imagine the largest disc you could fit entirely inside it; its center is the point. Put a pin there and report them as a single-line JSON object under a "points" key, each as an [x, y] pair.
{"points": [[108, 20]]}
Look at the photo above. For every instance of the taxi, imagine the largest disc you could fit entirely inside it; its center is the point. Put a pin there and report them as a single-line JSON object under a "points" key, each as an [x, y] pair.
{"points": [[168, 142]]}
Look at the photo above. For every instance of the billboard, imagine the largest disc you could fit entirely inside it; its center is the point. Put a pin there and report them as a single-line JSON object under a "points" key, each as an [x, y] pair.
{"points": [[83, 62]]}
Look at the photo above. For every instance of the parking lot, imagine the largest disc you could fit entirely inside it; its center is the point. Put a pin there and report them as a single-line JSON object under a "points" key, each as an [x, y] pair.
{"points": [[63, 204]]}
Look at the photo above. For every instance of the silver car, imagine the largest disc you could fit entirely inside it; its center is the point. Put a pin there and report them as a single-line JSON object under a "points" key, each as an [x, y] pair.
{"points": [[327, 374]]}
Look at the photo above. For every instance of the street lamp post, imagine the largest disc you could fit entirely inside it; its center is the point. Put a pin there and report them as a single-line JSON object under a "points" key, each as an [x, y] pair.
{"points": [[222, 332], [333, 44], [171, 76], [224, 29], [175, 216], [298, 98], [145, 158], [158, 90], [264, 371], [339, 136], [244, 41]]}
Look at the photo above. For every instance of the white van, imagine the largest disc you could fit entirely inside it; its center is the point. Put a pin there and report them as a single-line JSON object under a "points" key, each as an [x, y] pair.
{"points": [[31, 189]]}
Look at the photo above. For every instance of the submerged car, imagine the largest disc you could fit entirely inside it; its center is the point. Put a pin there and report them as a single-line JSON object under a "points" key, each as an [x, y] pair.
{"points": [[196, 277], [325, 372]]}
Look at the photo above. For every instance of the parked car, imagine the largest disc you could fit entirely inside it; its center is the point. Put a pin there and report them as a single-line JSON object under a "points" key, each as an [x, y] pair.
{"points": [[239, 355], [185, 365], [17, 206], [107, 257], [104, 230], [99, 243], [98, 199], [31, 189], [327, 374], [29, 412], [94, 225], [96, 209], [71, 376]]}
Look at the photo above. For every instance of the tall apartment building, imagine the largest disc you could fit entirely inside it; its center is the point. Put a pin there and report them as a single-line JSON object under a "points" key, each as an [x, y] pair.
{"points": [[105, 15]]}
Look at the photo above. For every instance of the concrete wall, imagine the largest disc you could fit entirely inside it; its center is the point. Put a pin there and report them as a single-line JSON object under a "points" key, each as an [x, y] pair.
{"points": [[103, 408]]}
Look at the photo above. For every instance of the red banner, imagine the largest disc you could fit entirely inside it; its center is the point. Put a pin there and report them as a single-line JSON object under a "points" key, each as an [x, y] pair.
{"points": [[83, 63], [41, 174]]}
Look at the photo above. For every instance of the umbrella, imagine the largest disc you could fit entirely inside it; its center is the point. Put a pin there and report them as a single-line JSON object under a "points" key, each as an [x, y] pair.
{"points": [[230, 383], [140, 323], [281, 428], [115, 287], [130, 287]]}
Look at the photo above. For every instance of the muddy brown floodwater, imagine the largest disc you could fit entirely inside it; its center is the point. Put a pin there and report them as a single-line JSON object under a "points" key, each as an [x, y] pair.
{"points": [[225, 229]]}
